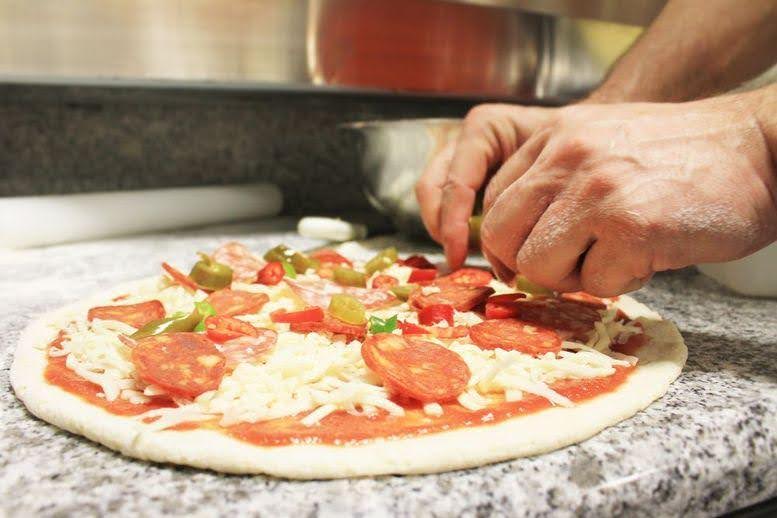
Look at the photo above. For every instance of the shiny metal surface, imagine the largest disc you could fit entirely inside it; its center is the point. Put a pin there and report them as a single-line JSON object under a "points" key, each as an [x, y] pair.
{"points": [[631, 12], [394, 154], [425, 47]]}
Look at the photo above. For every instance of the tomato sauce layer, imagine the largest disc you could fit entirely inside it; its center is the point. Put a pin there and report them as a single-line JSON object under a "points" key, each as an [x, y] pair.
{"points": [[343, 428]]}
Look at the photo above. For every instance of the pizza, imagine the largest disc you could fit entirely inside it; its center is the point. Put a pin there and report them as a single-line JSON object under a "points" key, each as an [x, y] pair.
{"points": [[340, 362]]}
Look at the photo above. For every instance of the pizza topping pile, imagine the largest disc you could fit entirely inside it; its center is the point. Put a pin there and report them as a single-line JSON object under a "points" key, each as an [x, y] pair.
{"points": [[245, 338]]}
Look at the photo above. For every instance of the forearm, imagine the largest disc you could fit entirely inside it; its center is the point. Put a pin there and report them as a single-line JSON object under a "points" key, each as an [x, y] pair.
{"points": [[693, 50]]}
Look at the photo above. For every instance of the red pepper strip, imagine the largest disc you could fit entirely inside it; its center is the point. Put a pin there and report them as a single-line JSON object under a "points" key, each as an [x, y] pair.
{"points": [[312, 314], [430, 315], [422, 274], [409, 328], [180, 278], [271, 274], [417, 261], [503, 306]]}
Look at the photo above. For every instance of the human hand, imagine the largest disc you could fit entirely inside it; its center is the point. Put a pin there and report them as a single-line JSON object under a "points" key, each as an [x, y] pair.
{"points": [[446, 191], [603, 196]]}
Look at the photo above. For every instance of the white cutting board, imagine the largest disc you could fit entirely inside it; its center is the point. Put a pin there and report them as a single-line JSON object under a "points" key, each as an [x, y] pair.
{"points": [[28, 221]]}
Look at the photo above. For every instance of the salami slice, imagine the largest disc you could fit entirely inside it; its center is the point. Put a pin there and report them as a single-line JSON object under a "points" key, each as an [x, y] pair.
{"points": [[416, 368], [229, 303], [319, 293], [135, 315], [445, 333], [184, 364], [332, 326], [248, 349], [243, 262], [462, 298], [467, 277], [567, 315], [512, 334]]}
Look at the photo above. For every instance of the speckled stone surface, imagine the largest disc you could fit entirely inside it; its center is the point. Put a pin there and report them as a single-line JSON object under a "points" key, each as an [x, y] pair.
{"points": [[65, 139], [707, 447]]}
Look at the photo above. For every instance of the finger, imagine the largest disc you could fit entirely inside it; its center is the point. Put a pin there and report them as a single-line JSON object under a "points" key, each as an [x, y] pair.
{"points": [[502, 272], [472, 159], [514, 214], [552, 251], [515, 167], [612, 268], [428, 190]]}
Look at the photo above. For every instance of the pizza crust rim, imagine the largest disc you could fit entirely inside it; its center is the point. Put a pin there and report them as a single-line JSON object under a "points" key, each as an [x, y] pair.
{"points": [[661, 362]]}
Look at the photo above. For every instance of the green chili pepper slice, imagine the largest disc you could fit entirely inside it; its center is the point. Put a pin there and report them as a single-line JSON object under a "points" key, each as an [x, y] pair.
{"points": [[403, 291], [169, 325], [210, 275], [285, 255], [525, 285], [348, 277], [383, 260], [474, 231], [348, 309]]}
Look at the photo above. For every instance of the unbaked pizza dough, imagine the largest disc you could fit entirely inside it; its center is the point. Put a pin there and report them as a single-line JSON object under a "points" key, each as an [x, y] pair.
{"points": [[660, 363]]}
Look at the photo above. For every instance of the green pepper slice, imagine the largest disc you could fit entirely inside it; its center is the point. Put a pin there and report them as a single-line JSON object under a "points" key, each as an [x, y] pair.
{"points": [[348, 309], [525, 285], [403, 291], [283, 254], [210, 275], [383, 260], [379, 325], [474, 231], [348, 277], [169, 325]]}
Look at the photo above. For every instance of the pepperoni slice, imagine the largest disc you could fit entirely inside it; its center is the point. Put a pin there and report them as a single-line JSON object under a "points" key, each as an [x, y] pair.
{"points": [[462, 298], [512, 334], [384, 282], [567, 315], [135, 315], [229, 303], [467, 277], [243, 262], [416, 368], [332, 326], [585, 298], [319, 293], [330, 257], [180, 277], [248, 349], [222, 329], [184, 364]]}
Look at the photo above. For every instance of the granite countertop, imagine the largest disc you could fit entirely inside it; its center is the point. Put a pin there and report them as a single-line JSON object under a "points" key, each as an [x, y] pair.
{"points": [[709, 446]]}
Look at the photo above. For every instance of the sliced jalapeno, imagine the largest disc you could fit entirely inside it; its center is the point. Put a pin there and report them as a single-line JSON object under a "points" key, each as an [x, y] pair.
{"points": [[209, 274], [525, 285], [284, 254], [383, 260], [403, 291], [349, 277], [474, 231], [348, 309]]}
